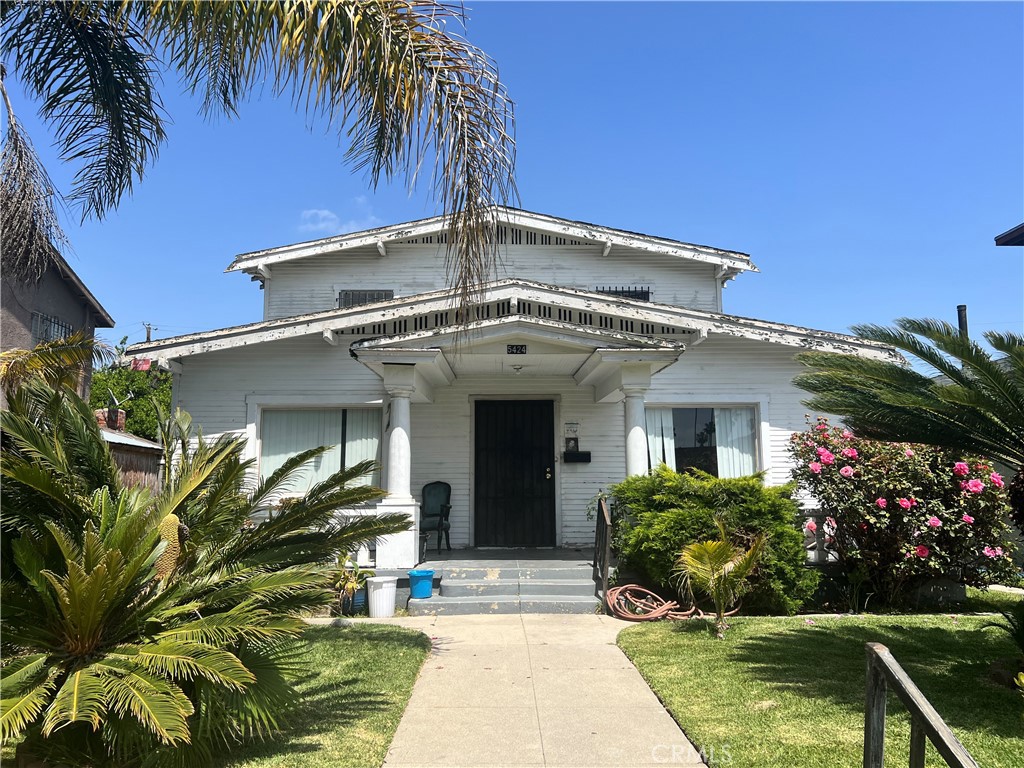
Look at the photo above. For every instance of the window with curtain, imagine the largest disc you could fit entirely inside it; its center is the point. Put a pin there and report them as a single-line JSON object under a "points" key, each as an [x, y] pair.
{"points": [[353, 435], [720, 441]]}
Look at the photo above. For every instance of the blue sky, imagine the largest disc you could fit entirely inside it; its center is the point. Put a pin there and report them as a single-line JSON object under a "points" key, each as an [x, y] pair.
{"points": [[864, 155]]}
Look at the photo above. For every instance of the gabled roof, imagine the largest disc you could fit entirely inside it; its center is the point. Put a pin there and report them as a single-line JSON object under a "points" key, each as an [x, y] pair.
{"points": [[565, 228], [334, 324], [103, 318]]}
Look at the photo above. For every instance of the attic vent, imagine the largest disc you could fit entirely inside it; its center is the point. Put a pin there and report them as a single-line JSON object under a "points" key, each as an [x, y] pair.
{"points": [[640, 294], [348, 299]]}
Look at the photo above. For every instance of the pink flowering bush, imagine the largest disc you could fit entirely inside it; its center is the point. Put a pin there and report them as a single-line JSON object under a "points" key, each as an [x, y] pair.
{"points": [[900, 515]]}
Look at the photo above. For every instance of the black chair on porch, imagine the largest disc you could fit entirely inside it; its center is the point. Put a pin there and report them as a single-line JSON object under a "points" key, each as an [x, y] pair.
{"points": [[434, 512]]}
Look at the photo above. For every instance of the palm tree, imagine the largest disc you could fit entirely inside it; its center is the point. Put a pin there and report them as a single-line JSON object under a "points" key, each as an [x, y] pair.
{"points": [[718, 569], [967, 400], [60, 362], [158, 626], [389, 75]]}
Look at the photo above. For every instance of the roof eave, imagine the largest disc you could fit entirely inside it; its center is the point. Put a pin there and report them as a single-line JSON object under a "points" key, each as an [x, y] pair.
{"points": [[253, 261]]}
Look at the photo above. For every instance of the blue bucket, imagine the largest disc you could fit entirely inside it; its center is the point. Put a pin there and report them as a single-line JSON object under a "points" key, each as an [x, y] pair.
{"points": [[421, 584]]}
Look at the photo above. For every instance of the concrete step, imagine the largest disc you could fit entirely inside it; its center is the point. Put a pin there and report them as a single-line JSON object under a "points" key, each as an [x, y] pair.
{"points": [[487, 588], [446, 605], [499, 573]]}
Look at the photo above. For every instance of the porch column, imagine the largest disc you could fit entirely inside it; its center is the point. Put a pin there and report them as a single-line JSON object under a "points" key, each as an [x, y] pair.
{"points": [[399, 449], [399, 550], [636, 431]]}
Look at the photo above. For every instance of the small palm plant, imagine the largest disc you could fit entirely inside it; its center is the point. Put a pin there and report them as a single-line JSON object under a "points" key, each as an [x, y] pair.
{"points": [[718, 570], [143, 629]]}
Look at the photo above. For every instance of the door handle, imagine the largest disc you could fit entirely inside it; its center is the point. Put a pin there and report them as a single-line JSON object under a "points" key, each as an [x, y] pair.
{"points": [[547, 473]]}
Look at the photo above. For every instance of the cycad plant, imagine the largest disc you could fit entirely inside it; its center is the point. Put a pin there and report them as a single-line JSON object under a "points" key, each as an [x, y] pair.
{"points": [[719, 570], [152, 630], [966, 399]]}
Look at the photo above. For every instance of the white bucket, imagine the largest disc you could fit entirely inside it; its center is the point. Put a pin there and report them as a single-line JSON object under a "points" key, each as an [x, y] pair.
{"points": [[381, 592]]}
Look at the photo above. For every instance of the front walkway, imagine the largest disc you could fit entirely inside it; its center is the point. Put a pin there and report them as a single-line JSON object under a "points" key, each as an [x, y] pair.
{"points": [[532, 690]]}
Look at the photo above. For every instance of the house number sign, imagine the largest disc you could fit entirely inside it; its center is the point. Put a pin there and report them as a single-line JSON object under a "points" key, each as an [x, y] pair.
{"points": [[515, 349]]}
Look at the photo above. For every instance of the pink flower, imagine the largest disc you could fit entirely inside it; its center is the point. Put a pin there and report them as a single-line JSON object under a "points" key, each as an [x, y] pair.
{"points": [[808, 621], [934, 522], [997, 480], [975, 486], [830, 521], [847, 434], [905, 503], [961, 468], [922, 551], [822, 427], [815, 467], [827, 457], [811, 526], [882, 503], [846, 471], [909, 453], [967, 518], [850, 453], [993, 551]]}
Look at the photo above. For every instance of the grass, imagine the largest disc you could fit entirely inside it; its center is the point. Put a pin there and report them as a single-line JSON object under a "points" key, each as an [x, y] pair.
{"points": [[360, 680], [790, 691], [987, 601]]}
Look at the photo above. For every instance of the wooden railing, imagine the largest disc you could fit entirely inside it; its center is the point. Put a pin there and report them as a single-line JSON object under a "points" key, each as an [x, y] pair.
{"points": [[602, 546], [924, 720]]}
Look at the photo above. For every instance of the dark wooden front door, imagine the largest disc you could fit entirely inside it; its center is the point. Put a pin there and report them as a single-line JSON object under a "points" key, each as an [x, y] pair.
{"points": [[515, 473]]}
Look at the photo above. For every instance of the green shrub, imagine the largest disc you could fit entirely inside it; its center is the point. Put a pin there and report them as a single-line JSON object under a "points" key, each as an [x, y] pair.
{"points": [[657, 515]]}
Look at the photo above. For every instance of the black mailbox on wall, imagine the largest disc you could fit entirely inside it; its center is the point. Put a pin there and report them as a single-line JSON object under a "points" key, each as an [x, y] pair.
{"points": [[576, 457]]}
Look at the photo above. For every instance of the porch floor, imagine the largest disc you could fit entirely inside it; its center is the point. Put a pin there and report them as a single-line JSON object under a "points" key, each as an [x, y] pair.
{"points": [[473, 557]]}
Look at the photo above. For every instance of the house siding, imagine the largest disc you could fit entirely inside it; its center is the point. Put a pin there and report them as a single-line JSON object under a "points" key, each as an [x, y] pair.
{"points": [[222, 389], [312, 284]]}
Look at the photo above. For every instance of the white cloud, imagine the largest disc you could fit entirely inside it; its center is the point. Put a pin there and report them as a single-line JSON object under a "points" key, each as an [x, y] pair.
{"points": [[319, 220], [325, 222]]}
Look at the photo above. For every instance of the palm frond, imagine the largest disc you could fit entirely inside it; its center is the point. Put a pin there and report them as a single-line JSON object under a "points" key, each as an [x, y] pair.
{"points": [[33, 235], [92, 70]]}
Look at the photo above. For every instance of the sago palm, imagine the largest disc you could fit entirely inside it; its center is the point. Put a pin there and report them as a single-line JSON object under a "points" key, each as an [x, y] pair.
{"points": [[966, 399], [719, 570], [145, 629], [389, 75]]}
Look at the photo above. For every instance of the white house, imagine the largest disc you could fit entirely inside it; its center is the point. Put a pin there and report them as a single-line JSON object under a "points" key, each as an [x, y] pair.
{"points": [[595, 354]]}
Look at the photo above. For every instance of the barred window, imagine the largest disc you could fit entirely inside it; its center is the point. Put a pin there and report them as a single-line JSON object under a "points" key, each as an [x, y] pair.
{"points": [[47, 328], [643, 294], [348, 299]]}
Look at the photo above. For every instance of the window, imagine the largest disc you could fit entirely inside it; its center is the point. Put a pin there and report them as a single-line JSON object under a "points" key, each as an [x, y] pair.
{"points": [[641, 294], [347, 299], [353, 435], [720, 441], [47, 328]]}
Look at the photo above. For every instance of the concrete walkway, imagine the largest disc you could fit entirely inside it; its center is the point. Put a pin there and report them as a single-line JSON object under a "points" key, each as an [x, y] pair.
{"points": [[532, 690]]}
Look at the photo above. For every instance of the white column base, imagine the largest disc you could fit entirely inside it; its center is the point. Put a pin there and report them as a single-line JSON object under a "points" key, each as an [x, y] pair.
{"points": [[399, 550]]}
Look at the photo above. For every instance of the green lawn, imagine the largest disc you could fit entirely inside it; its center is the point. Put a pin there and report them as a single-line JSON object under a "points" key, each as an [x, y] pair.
{"points": [[360, 680], [788, 692]]}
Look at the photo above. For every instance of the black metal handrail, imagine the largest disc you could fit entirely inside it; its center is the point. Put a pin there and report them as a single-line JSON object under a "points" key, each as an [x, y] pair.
{"points": [[602, 546], [883, 670]]}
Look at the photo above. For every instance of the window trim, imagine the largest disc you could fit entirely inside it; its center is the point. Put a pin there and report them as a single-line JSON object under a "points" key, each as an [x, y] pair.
{"points": [[759, 402]]}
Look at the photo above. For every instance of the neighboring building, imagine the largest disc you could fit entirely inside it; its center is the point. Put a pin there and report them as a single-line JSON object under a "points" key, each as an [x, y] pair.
{"points": [[53, 307], [138, 459], [1014, 236], [596, 354]]}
